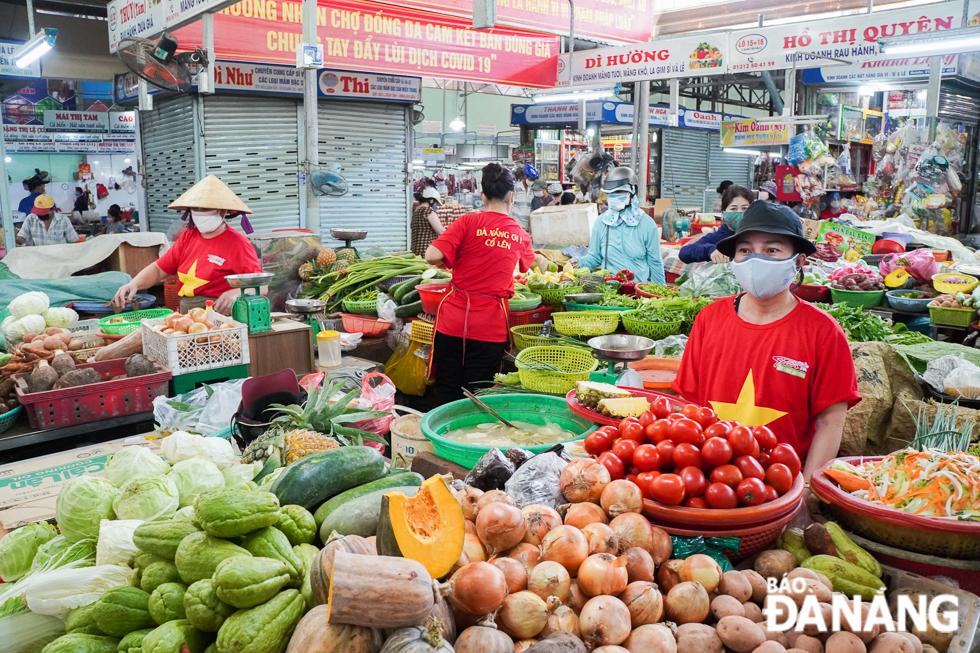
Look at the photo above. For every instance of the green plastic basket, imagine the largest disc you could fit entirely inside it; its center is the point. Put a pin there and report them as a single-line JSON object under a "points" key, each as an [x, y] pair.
{"points": [[8, 418], [526, 335], [554, 370], [596, 307], [531, 302], [125, 323], [581, 324], [556, 296], [532, 409], [859, 298], [653, 330], [957, 317], [361, 306]]}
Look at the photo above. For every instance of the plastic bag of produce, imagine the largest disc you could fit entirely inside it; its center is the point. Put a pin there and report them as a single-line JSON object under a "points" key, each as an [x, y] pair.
{"points": [[206, 410], [491, 471], [407, 369], [920, 263], [963, 381], [536, 481], [709, 280]]}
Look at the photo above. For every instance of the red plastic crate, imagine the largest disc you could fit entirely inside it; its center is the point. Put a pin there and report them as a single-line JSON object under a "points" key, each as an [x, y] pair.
{"points": [[539, 315], [94, 402]]}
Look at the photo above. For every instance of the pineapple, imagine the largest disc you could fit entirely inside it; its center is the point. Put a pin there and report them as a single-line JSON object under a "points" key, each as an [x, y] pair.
{"points": [[589, 393], [305, 271], [300, 443], [326, 257], [347, 255], [626, 407]]}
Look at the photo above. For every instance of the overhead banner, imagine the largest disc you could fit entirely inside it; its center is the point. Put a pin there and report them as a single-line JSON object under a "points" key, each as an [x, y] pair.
{"points": [[620, 113], [375, 37], [749, 133], [76, 121], [879, 69], [691, 56], [851, 38], [148, 18]]}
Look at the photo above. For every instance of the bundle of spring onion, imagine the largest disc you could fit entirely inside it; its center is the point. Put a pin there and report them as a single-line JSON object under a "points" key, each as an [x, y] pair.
{"points": [[333, 287]]}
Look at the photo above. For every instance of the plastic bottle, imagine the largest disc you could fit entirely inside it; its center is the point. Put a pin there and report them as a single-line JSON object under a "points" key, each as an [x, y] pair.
{"points": [[328, 349]]}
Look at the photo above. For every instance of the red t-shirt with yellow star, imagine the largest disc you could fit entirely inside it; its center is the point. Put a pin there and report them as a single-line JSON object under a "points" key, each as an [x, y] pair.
{"points": [[201, 264], [781, 375]]}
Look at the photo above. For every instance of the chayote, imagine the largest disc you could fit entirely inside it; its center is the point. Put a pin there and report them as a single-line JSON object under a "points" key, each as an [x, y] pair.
{"points": [[270, 542], [199, 554], [244, 582], [204, 609], [158, 573], [82, 620], [297, 524], [81, 643], [167, 603], [122, 610], [172, 636], [236, 512], [133, 642], [263, 629]]}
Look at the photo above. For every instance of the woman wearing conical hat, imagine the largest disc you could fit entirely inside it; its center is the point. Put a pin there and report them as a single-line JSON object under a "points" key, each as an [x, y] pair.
{"points": [[204, 253]]}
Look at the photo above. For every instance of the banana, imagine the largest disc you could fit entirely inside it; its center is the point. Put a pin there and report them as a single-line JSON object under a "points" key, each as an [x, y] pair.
{"points": [[848, 550]]}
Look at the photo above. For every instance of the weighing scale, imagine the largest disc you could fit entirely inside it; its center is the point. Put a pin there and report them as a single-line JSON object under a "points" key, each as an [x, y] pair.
{"points": [[309, 312], [348, 236], [253, 310], [618, 351]]}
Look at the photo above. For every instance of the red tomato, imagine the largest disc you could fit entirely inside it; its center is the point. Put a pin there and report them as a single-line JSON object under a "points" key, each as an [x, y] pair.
{"points": [[717, 430], [728, 474], [668, 489], [695, 502], [748, 465], [742, 441], [765, 459], [597, 442], [675, 416], [780, 477], [694, 481], [647, 418], [690, 411], [661, 407], [765, 437], [614, 464], [705, 417], [658, 431], [771, 494], [785, 454], [632, 430], [612, 431], [624, 449], [666, 449], [632, 479], [687, 455], [719, 495], [644, 481], [646, 458], [686, 430], [751, 492], [716, 451]]}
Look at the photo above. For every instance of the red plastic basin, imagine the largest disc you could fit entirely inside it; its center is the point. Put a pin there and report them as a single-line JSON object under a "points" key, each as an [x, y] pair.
{"points": [[431, 295]]}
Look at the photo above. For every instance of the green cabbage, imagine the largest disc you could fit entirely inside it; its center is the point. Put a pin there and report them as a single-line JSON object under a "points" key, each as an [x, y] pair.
{"points": [[147, 499], [15, 330], [18, 548], [58, 552], [134, 462], [240, 474], [194, 477], [82, 503], [60, 316], [30, 303]]}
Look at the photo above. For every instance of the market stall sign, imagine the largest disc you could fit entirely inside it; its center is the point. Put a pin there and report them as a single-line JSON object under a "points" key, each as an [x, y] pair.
{"points": [[619, 113], [749, 133], [147, 18], [689, 56], [371, 36], [122, 122], [879, 69], [76, 121], [850, 242], [7, 66], [558, 113], [369, 86], [25, 133]]}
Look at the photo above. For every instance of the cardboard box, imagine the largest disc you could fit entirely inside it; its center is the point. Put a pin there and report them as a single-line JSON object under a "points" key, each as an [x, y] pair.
{"points": [[29, 488], [811, 229], [561, 226]]}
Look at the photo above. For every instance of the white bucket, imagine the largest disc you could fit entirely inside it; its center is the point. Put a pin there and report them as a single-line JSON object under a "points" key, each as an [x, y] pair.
{"points": [[407, 440]]}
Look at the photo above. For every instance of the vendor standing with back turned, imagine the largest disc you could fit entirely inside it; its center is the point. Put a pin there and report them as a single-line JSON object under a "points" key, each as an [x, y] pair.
{"points": [[482, 250], [205, 253]]}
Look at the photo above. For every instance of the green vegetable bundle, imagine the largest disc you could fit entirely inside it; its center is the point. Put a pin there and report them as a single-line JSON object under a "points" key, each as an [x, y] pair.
{"points": [[673, 309], [334, 287], [861, 326]]}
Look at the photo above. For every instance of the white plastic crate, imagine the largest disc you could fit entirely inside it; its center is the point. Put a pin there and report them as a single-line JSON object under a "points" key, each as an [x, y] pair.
{"points": [[196, 352]]}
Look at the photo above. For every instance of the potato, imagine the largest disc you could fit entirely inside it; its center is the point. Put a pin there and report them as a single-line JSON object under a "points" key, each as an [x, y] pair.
{"points": [[795, 650], [758, 583], [770, 646], [735, 584], [865, 636], [814, 630], [724, 605], [698, 638], [774, 635], [915, 641], [739, 634], [813, 588], [808, 644], [891, 643], [752, 612], [844, 642], [775, 563]]}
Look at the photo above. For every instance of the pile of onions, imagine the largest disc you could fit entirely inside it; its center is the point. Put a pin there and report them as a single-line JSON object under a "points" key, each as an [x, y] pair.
{"points": [[478, 588], [602, 539], [567, 546], [539, 520], [669, 574], [634, 530], [583, 479], [561, 620], [468, 499], [639, 564], [493, 496], [549, 579], [645, 603], [473, 548], [603, 573], [581, 515], [525, 553], [514, 571], [702, 569], [576, 599], [621, 496], [500, 526], [523, 615], [687, 603], [604, 620]]}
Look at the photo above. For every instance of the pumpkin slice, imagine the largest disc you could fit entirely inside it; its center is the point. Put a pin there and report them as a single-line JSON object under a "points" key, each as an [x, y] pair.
{"points": [[427, 528]]}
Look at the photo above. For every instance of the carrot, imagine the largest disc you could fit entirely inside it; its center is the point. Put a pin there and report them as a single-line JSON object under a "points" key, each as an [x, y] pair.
{"points": [[848, 482]]}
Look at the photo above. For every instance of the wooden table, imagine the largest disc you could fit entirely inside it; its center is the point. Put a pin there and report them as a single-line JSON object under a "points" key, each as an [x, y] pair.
{"points": [[288, 345]]}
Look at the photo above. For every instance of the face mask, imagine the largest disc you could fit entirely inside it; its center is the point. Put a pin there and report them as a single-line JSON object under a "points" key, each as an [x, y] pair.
{"points": [[764, 277], [732, 218], [618, 201], [835, 204], [207, 221]]}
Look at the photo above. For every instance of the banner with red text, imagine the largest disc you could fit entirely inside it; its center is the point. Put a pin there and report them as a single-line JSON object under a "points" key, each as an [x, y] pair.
{"points": [[689, 56], [371, 36]]}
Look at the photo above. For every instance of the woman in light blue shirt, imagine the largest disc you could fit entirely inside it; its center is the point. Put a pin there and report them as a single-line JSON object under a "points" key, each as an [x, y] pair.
{"points": [[624, 237]]}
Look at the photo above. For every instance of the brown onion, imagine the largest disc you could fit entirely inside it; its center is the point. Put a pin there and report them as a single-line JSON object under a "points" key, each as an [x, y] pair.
{"points": [[581, 515], [663, 546], [514, 571], [669, 574], [539, 520], [610, 649], [602, 573], [604, 620], [493, 496], [639, 564], [601, 538], [633, 530], [523, 645], [621, 496], [468, 499], [483, 638], [702, 569], [583, 479], [500, 526], [478, 588], [473, 548], [562, 619], [523, 615], [645, 603], [548, 579], [567, 546], [526, 553], [687, 603], [651, 638], [576, 599]]}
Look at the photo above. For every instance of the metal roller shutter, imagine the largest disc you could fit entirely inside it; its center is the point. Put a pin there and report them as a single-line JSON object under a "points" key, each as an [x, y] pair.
{"points": [[167, 134], [685, 166], [721, 166], [956, 105], [369, 143], [251, 144]]}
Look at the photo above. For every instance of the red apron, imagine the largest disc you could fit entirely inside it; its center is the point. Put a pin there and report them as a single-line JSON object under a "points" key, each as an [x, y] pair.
{"points": [[466, 317]]}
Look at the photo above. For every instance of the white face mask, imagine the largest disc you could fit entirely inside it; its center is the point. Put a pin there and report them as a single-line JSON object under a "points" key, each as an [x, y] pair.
{"points": [[618, 201], [207, 220], [764, 277]]}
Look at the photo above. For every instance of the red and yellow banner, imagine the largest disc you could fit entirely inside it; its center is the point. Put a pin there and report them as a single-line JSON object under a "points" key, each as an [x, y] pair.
{"points": [[372, 36]]}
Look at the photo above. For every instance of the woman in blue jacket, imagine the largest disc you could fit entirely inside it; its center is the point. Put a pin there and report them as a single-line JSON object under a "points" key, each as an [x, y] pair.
{"points": [[734, 201]]}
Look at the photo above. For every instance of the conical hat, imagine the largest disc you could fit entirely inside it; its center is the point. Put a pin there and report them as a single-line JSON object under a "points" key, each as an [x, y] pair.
{"points": [[210, 193]]}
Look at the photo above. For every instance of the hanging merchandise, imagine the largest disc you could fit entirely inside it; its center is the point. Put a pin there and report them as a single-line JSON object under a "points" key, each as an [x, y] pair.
{"points": [[101, 191]]}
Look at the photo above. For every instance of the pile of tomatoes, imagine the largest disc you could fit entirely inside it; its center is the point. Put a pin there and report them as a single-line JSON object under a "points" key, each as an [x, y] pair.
{"points": [[691, 458]]}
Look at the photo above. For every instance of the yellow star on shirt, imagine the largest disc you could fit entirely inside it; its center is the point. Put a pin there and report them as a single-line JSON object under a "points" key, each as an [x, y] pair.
{"points": [[745, 411], [189, 281]]}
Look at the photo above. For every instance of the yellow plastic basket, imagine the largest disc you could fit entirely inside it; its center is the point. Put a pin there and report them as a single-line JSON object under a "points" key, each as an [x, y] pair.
{"points": [[945, 282], [554, 370], [422, 331], [581, 324], [526, 335], [555, 296]]}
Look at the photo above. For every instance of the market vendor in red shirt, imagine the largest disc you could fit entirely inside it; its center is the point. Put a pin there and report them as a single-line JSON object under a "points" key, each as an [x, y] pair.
{"points": [[764, 357], [482, 250], [205, 253]]}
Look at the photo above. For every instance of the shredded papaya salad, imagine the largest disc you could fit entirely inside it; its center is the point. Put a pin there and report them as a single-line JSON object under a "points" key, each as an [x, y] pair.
{"points": [[928, 483]]}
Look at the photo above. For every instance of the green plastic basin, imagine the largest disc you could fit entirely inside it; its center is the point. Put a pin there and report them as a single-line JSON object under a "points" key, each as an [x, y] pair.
{"points": [[533, 409]]}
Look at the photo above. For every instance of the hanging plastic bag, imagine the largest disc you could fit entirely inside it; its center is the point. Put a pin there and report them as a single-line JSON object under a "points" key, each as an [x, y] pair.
{"points": [[408, 367], [536, 481]]}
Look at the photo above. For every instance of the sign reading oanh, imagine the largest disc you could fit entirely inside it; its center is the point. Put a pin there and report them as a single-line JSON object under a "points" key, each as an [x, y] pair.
{"points": [[749, 133]]}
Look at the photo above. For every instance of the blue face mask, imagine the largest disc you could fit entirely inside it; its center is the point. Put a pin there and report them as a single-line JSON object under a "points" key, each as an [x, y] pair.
{"points": [[764, 277], [731, 219], [618, 201]]}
